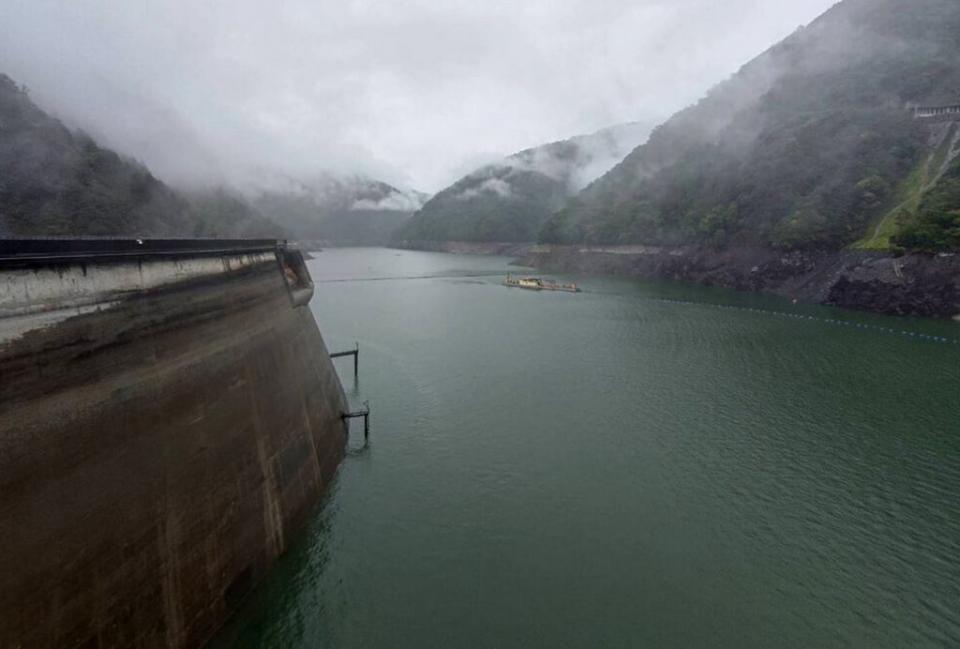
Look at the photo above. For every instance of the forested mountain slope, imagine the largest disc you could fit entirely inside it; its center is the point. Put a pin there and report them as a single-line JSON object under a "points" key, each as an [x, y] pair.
{"points": [[54, 181], [351, 209], [810, 146], [510, 201]]}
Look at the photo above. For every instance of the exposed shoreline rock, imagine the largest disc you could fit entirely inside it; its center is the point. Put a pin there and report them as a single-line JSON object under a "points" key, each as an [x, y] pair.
{"points": [[915, 284]]}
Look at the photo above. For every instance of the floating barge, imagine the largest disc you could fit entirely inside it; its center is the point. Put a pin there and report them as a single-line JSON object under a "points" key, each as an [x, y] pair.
{"points": [[538, 284]]}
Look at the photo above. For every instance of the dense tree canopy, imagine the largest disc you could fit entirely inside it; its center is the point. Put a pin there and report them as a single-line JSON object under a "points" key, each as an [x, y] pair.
{"points": [[497, 203], [510, 201], [57, 182], [810, 145]]}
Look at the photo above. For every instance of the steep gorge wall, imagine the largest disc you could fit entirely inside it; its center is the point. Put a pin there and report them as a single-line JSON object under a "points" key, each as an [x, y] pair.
{"points": [[166, 425]]}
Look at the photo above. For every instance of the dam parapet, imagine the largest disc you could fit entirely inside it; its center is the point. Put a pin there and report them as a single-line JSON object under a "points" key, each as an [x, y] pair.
{"points": [[169, 419]]}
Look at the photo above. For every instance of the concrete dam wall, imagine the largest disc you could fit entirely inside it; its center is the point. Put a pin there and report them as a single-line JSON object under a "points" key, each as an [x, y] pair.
{"points": [[169, 417]]}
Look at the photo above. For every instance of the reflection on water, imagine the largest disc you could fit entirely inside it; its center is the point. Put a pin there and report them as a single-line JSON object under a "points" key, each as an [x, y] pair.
{"points": [[643, 464]]}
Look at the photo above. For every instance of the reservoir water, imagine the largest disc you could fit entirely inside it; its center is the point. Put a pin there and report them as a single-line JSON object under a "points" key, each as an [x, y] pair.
{"points": [[640, 465]]}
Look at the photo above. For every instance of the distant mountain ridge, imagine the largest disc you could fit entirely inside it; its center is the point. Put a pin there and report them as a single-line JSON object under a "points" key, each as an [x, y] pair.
{"points": [[509, 201], [54, 181], [810, 145], [350, 209]]}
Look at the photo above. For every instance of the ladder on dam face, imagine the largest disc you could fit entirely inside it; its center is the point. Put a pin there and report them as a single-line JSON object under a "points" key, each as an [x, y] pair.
{"points": [[365, 413], [356, 359]]}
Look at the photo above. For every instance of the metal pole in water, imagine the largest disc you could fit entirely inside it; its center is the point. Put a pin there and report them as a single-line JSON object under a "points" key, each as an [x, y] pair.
{"points": [[356, 359], [365, 413], [366, 421]]}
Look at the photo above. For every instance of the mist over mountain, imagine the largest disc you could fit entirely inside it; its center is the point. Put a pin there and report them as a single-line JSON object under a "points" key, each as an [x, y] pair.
{"points": [[222, 212], [54, 181], [810, 145], [352, 209], [510, 200], [411, 93]]}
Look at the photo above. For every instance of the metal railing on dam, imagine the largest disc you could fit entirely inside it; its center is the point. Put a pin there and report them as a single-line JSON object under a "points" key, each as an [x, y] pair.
{"points": [[923, 112], [90, 248], [169, 418]]}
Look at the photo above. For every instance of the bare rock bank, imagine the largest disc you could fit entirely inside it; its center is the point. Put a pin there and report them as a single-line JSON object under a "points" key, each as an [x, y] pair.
{"points": [[915, 284]]}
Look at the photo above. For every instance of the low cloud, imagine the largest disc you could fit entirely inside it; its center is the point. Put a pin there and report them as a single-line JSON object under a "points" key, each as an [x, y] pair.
{"points": [[395, 202], [409, 91], [582, 159], [489, 186]]}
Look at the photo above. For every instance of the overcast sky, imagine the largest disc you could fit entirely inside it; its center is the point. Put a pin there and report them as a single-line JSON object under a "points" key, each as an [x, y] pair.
{"points": [[416, 92]]}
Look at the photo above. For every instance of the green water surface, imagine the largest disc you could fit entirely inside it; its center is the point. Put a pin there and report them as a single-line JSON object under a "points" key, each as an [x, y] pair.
{"points": [[640, 465]]}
